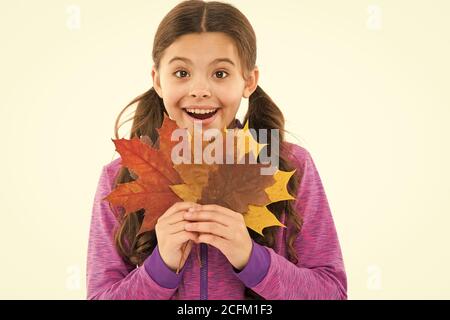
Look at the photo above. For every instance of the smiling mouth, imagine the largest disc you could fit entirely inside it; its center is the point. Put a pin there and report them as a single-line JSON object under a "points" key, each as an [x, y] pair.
{"points": [[200, 116]]}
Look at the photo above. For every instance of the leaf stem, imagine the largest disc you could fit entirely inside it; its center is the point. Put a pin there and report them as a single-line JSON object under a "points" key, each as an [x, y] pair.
{"points": [[182, 255]]}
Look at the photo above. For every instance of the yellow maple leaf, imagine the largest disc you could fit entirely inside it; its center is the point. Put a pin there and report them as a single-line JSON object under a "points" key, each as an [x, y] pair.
{"points": [[246, 143], [278, 191], [257, 218]]}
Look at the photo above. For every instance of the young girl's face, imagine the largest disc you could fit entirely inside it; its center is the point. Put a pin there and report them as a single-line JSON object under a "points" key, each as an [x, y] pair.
{"points": [[200, 79]]}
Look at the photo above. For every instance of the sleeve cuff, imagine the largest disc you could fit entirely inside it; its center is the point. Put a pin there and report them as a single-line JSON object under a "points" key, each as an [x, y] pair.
{"points": [[257, 266], [160, 272]]}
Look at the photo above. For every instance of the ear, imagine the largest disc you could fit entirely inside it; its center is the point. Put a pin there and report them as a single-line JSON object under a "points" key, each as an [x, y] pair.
{"points": [[251, 83], [156, 82]]}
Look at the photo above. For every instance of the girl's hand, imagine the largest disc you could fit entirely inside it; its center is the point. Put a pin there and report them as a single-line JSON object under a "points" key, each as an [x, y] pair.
{"points": [[224, 229], [172, 236]]}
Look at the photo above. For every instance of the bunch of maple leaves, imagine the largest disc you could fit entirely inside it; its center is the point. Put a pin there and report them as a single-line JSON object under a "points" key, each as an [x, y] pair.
{"points": [[159, 183]]}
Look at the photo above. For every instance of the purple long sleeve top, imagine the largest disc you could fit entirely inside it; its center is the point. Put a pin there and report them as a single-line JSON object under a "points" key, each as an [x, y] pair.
{"points": [[319, 273]]}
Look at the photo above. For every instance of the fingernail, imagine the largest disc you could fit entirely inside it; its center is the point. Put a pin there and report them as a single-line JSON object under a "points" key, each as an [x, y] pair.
{"points": [[191, 209]]}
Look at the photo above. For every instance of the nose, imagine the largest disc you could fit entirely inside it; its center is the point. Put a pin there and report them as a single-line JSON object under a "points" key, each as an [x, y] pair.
{"points": [[200, 90], [200, 93]]}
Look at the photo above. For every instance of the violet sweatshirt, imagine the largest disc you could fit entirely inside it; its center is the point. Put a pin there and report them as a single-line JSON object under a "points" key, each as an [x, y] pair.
{"points": [[319, 273]]}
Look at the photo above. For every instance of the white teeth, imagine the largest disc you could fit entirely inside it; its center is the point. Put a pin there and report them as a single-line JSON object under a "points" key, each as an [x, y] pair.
{"points": [[200, 111]]}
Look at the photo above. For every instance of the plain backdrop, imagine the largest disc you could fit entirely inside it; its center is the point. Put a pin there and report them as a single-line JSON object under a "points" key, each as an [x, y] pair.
{"points": [[364, 86]]}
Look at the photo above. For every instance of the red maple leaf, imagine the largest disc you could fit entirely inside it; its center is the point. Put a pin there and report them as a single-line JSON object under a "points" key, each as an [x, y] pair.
{"points": [[154, 169]]}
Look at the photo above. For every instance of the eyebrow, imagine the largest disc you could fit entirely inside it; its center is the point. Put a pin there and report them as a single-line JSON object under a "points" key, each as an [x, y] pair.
{"points": [[213, 62]]}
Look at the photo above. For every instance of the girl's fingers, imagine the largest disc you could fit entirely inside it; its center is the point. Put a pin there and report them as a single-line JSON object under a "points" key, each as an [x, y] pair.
{"points": [[217, 208], [209, 227], [175, 218], [177, 227], [183, 236], [205, 215], [178, 206]]}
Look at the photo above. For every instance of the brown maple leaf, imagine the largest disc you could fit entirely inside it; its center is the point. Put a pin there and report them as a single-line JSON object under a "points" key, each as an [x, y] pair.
{"points": [[236, 186]]}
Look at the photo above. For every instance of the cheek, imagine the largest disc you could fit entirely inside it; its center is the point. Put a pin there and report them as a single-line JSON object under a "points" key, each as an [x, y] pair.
{"points": [[172, 98], [229, 93], [231, 101]]}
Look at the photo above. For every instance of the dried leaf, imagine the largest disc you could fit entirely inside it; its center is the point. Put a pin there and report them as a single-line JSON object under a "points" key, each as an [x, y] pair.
{"points": [[236, 186], [278, 191], [195, 177], [258, 218], [246, 143]]}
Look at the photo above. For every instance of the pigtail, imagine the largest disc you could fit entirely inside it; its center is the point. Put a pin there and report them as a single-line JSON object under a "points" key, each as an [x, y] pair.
{"points": [[263, 113], [149, 116]]}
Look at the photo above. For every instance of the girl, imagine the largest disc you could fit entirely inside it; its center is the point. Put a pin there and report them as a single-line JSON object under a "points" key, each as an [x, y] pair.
{"points": [[204, 63]]}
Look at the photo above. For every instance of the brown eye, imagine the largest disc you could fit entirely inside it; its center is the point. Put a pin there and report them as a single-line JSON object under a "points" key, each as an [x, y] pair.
{"points": [[222, 72], [179, 71]]}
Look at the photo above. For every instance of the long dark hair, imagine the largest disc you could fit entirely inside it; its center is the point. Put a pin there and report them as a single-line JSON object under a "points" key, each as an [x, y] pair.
{"points": [[196, 16]]}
